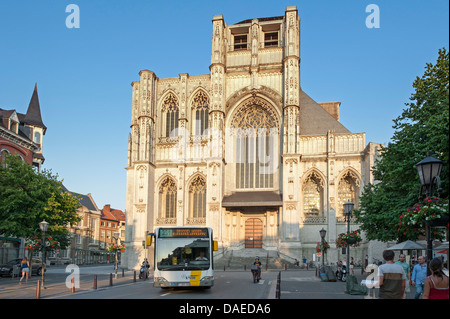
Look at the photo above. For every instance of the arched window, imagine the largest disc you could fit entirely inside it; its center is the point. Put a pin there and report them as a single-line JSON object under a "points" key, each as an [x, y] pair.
{"points": [[313, 196], [348, 190], [168, 198], [256, 130], [197, 198], [200, 105], [3, 154], [170, 111]]}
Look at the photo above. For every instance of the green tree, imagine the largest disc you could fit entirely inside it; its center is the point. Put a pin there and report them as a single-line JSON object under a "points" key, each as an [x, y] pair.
{"points": [[27, 197], [421, 128]]}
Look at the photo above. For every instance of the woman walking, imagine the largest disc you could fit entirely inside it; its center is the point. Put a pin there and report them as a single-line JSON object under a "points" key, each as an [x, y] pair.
{"points": [[436, 285], [25, 269]]}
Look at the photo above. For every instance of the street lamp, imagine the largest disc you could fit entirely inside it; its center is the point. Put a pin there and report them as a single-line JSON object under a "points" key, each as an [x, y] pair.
{"points": [[323, 232], [43, 225], [116, 237], [429, 170], [348, 209]]}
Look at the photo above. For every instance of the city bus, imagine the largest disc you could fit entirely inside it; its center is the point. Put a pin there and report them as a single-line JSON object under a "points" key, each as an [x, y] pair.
{"points": [[183, 257]]}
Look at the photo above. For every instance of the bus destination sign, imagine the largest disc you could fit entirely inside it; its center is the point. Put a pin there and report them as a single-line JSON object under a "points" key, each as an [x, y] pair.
{"points": [[183, 233]]}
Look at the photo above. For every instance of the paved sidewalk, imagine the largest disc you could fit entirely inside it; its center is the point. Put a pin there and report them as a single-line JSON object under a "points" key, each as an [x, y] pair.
{"points": [[295, 284], [304, 284], [55, 284]]}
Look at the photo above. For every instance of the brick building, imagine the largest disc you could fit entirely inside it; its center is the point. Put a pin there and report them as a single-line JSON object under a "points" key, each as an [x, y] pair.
{"points": [[22, 134]]}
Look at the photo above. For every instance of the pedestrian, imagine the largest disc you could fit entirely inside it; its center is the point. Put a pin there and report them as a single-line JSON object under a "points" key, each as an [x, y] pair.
{"points": [[407, 269], [391, 278], [418, 276], [24, 264], [445, 269], [352, 266], [436, 285]]}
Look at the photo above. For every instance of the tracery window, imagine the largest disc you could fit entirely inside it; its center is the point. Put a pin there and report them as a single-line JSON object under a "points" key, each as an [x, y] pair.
{"points": [[256, 130], [168, 198], [200, 105], [197, 198], [348, 190], [170, 112], [313, 196]]}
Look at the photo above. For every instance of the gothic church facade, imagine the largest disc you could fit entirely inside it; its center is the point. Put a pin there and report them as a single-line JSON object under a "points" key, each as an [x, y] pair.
{"points": [[243, 149]]}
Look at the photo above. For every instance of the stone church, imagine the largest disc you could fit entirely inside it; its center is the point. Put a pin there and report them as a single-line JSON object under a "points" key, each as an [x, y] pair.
{"points": [[243, 149]]}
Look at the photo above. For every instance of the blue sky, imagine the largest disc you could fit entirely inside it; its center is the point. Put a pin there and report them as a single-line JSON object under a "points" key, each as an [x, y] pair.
{"points": [[84, 74]]}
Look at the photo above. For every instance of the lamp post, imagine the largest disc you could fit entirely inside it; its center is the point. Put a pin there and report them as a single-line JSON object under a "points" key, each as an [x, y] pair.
{"points": [[43, 225], [429, 170], [348, 209], [323, 232], [116, 237]]}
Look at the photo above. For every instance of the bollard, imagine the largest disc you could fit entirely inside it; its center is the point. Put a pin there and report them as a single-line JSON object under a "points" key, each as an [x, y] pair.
{"points": [[223, 267], [72, 290], [110, 279], [134, 276], [245, 267], [285, 266], [38, 289], [277, 292], [95, 281], [123, 272]]}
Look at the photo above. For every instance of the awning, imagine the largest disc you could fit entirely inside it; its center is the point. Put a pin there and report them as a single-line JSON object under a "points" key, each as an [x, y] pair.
{"points": [[252, 199]]}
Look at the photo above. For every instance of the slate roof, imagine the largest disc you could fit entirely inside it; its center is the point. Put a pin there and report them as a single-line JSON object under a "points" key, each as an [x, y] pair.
{"points": [[33, 115], [261, 19], [85, 200], [315, 120]]}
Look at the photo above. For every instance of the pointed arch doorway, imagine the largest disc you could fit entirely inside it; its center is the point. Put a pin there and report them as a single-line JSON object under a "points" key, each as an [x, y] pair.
{"points": [[253, 233]]}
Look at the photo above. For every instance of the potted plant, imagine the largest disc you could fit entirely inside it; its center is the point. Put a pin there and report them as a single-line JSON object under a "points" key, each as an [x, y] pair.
{"points": [[352, 239], [114, 247], [35, 243], [322, 246], [431, 211]]}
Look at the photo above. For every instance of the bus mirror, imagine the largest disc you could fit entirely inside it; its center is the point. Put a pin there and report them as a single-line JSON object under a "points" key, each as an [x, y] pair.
{"points": [[149, 240], [216, 245]]}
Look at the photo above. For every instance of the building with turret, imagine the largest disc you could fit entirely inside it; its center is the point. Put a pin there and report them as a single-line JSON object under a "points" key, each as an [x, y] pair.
{"points": [[22, 134], [243, 149]]}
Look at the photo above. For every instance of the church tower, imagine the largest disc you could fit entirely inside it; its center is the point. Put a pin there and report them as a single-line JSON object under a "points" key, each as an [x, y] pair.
{"points": [[140, 167]]}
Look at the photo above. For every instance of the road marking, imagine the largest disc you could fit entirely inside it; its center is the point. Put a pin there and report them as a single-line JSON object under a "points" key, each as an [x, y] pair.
{"points": [[302, 279]]}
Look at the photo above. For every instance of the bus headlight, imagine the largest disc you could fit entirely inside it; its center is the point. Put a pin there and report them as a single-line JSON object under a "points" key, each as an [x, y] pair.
{"points": [[207, 281], [160, 282]]}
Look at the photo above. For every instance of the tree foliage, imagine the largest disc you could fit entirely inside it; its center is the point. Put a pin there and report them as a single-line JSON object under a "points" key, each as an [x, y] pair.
{"points": [[27, 197], [421, 128]]}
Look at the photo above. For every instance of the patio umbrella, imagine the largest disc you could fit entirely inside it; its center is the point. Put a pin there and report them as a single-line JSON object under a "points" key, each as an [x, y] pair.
{"points": [[442, 246], [407, 245]]}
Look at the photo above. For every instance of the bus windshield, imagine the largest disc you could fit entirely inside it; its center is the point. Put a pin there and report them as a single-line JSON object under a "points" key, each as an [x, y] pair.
{"points": [[183, 254]]}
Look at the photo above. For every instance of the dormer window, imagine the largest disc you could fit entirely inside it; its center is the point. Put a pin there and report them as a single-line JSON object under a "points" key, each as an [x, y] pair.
{"points": [[271, 39], [13, 126], [240, 42]]}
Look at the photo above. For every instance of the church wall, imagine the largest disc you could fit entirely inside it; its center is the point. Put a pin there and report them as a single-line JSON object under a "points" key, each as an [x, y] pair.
{"points": [[239, 79]]}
